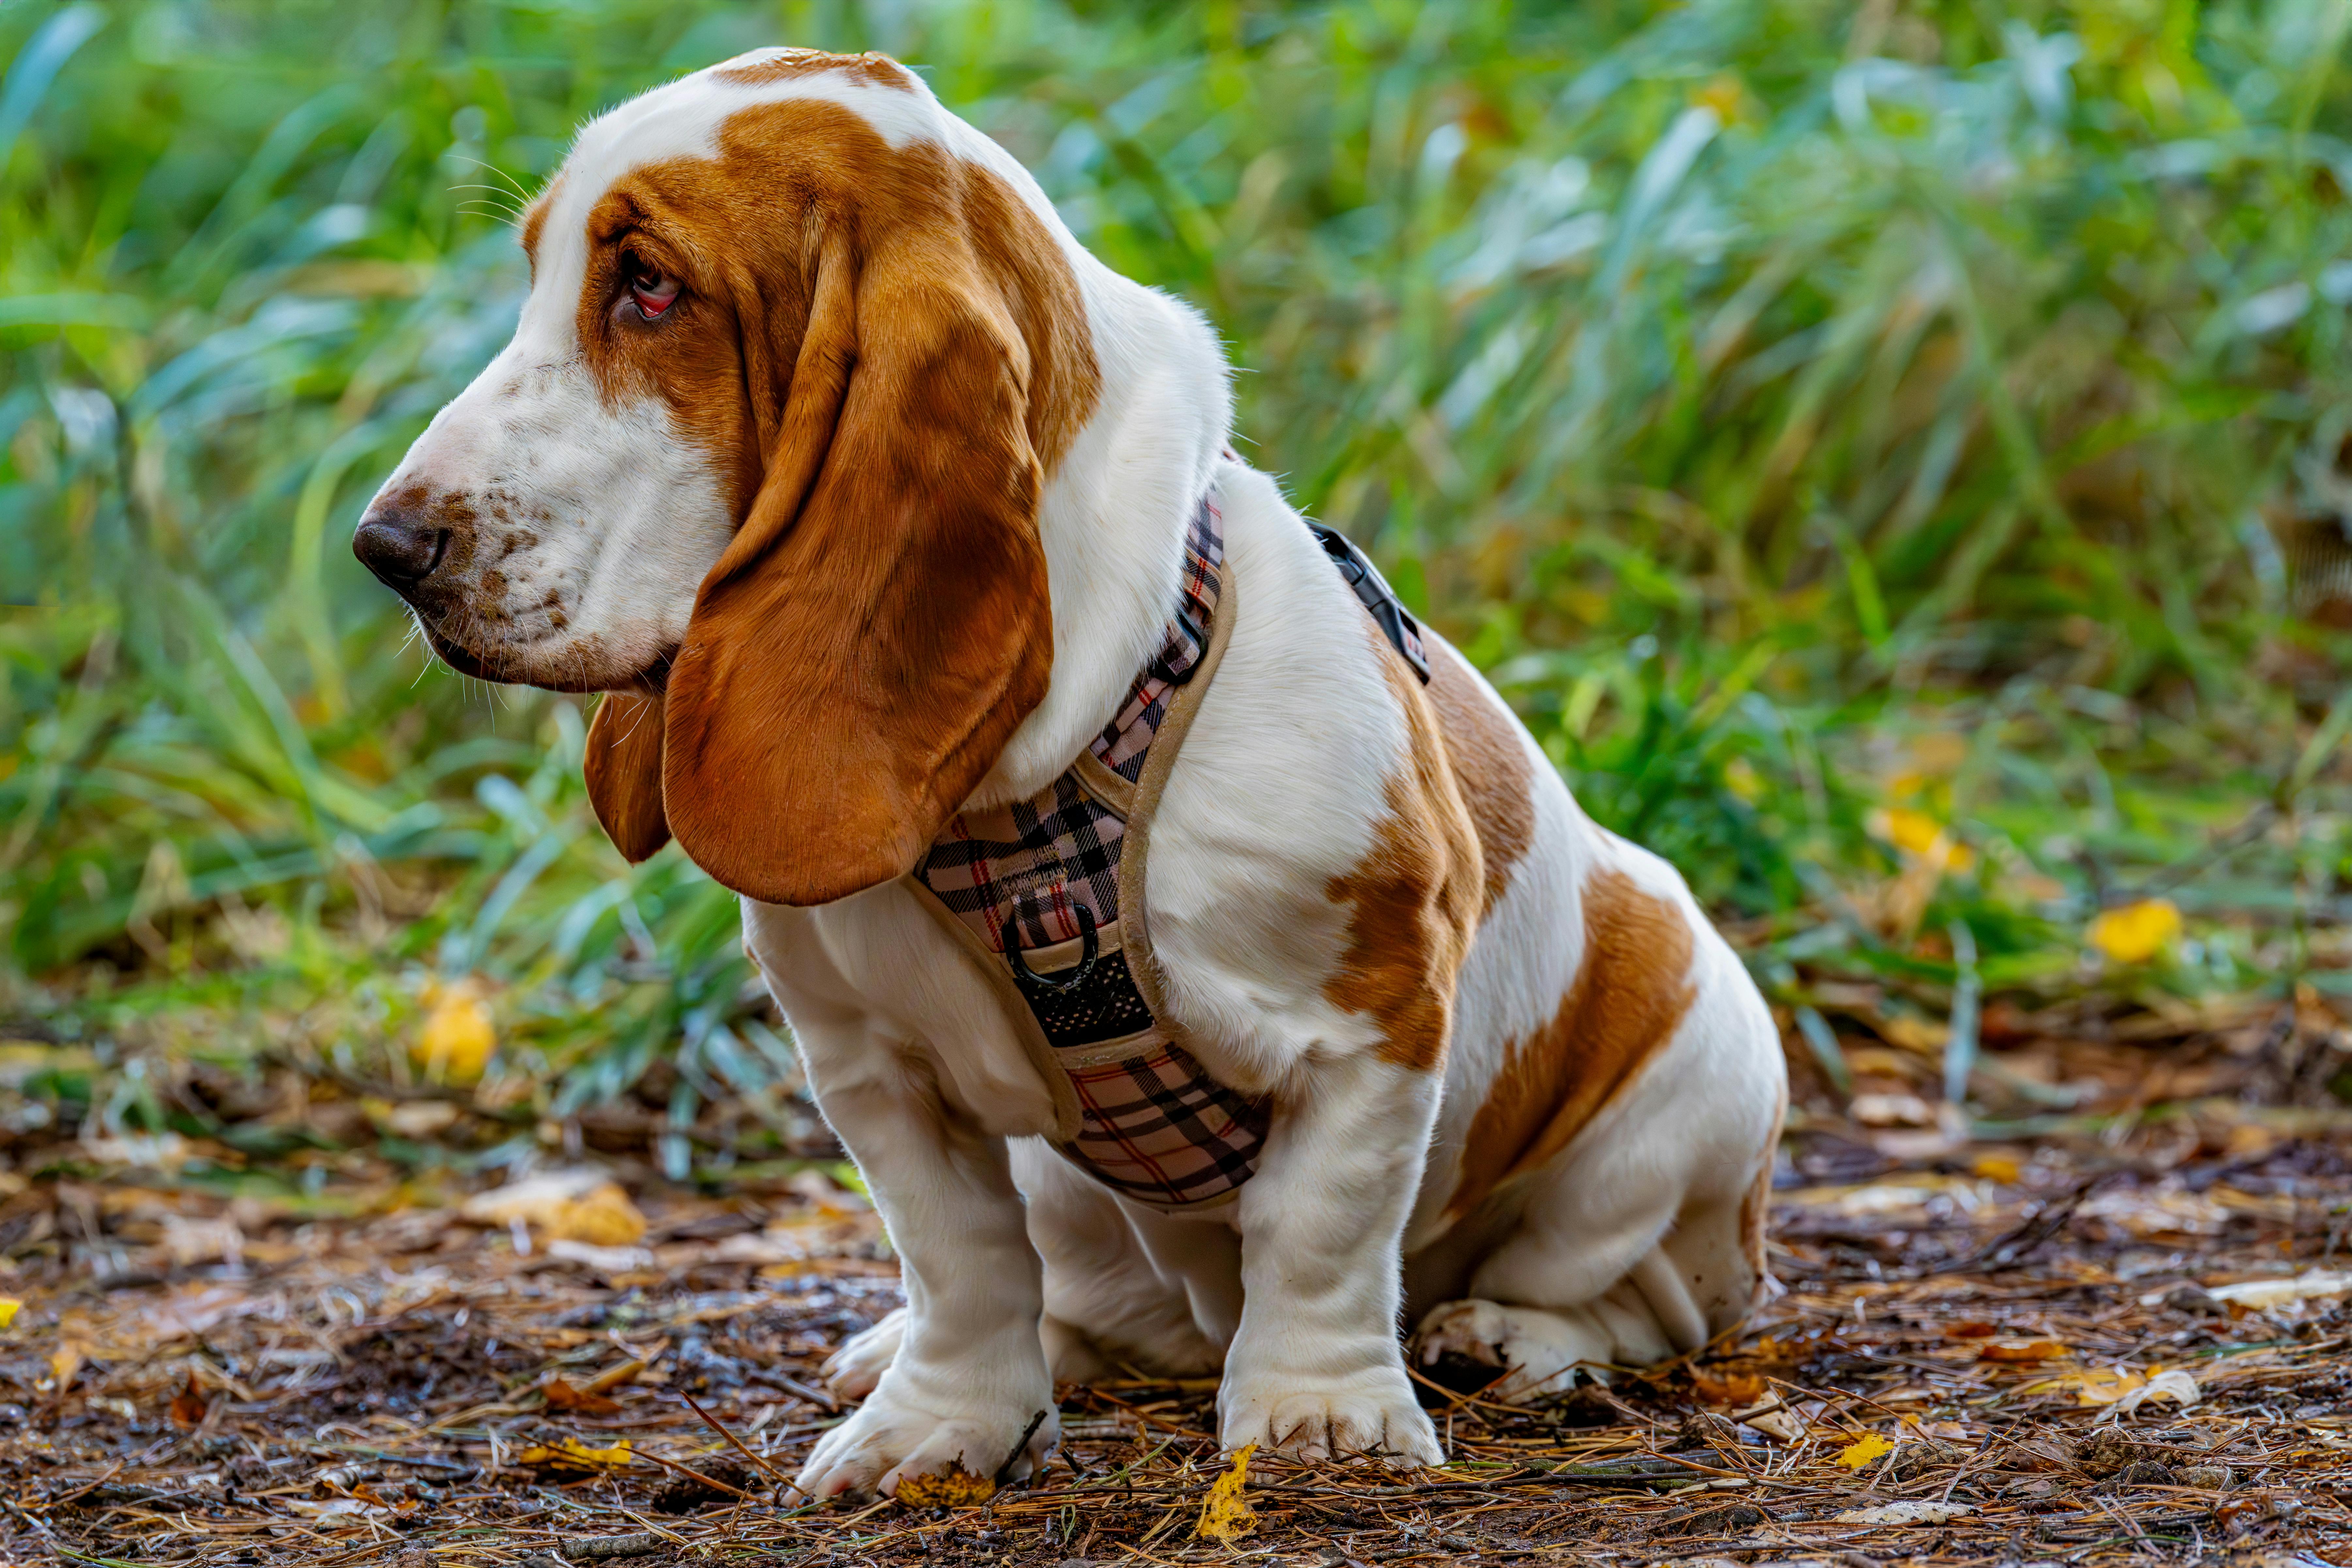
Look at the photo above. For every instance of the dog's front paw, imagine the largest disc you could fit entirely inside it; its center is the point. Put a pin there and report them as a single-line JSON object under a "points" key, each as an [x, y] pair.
{"points": [[1371, 1414], [852, 1371], [891, 1439]]}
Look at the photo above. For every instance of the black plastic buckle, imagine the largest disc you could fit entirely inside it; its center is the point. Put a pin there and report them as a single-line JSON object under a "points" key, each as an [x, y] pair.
{"points": [[1030, 980], [1396, 622]]}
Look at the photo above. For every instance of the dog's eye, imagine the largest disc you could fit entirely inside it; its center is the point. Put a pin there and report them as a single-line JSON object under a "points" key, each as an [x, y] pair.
{"points": [[655, 292]]}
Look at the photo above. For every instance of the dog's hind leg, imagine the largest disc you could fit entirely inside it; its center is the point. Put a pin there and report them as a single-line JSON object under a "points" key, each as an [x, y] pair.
{"points": [[1642, 1241]]}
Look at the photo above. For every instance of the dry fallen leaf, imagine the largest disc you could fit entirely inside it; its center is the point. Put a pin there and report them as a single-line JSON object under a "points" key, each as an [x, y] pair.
{"points": [[2023, 1351], [2091, 1385], [607, 1260], [2176, 1385], [954, 1486], [2261, 1295], [335, 1508], [65, 1364], [1864, 1451], [606, 1382], [572, 1453], [1906, 1513], [563, 1205], [1226, 1514], [1773, 1419], [190, 1405], [2136, 933], [1732, 1388], [562, 1395]]}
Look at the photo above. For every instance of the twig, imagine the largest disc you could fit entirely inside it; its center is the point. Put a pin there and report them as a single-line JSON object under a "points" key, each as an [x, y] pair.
{"points": [[86, 1489], [711, 1481], [1004, 1471], [712, 1422], [645, 1544]]}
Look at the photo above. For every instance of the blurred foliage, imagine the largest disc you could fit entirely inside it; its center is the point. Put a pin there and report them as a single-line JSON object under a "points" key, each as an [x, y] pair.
{"points": [[1889, 453]]}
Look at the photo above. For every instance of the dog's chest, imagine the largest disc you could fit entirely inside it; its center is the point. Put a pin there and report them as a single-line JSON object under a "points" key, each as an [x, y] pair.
{"points": [[1046, 892]]}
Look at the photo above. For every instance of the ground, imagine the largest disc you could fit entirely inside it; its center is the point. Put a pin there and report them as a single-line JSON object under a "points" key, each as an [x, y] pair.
{"points": [[2131, 1345]]}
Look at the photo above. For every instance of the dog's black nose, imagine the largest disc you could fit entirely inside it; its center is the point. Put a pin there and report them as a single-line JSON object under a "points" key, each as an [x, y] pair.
{"points": [[398, 548]]}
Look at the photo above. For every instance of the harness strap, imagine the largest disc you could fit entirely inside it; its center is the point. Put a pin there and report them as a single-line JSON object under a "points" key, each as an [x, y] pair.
{"points": [[1396, 622], [1144, 802], [1048, 894]]}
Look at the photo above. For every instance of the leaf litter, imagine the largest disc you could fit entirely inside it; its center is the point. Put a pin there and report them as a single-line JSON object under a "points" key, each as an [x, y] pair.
{"points": [[1968, 1361]]}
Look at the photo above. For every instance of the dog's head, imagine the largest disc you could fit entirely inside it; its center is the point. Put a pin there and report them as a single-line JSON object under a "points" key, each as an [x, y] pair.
{"points": [[764, 460]]}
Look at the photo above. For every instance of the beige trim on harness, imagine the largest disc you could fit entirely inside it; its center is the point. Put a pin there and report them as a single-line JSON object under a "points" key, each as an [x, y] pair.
{"points": [[1141, 965], [1133, 803]]}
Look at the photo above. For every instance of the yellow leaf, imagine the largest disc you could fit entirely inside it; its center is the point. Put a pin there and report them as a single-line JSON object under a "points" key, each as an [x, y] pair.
{"points": [[2091, 1385], [954, 1486], [563, 1205], [2136, 933], [1864, 1451], [2002, 1168], [1723, 95], [1918, 833], [458, 1038], [572, 1453], [1226, 1514], [8, 1308]]}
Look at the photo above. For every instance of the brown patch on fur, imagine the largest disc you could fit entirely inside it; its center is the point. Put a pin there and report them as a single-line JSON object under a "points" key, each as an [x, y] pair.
{"points": [[1628, 997], [785, 65], [534, 222], [1490, 764], [885, 352], [1415, 895]]}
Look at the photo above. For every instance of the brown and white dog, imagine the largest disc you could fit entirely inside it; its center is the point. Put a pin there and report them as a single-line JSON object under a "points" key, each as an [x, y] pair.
{"points": [[824, 444]]}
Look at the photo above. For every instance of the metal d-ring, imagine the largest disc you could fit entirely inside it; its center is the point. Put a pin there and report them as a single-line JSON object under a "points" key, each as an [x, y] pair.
{"points": [[1031, 980]]}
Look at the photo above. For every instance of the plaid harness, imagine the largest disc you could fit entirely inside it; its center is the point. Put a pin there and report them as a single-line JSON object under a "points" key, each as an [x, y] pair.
{"points": [[1036, 882]]}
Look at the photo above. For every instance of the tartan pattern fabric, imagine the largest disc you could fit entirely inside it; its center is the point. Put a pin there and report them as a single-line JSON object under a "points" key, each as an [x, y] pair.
{"points": [[1035, 860], [1159, 1129], [1126, 740], [1153, 1124]]}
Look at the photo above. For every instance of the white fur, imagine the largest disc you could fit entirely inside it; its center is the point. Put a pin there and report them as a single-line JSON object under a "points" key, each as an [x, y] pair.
{"points": [[1018, 1268]]}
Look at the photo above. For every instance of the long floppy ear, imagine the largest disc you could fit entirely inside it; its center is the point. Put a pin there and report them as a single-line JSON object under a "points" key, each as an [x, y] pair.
{"points": [[623, 765], [880, 624]]}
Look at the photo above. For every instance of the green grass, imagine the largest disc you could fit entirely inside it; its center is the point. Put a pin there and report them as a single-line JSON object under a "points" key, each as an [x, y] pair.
{"points": [[1780, 398]]}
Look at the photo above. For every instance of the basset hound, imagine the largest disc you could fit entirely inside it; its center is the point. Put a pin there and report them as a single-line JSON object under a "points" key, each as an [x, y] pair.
{"points": [[905, 539]]}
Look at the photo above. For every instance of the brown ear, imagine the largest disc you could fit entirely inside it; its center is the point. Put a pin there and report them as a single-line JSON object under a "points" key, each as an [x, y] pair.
{"points": [[880, 626], [624, 766]]}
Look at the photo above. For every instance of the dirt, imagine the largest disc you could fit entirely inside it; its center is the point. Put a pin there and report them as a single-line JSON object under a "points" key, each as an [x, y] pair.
{"points": [[2080, 1350]]}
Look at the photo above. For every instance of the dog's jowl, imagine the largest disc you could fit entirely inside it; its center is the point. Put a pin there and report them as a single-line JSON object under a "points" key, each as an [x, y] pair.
{"points": [[1205, 970]]}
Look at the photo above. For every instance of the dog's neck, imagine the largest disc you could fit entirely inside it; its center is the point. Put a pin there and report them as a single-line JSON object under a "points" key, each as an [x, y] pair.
{"points": [[1115, 510]]}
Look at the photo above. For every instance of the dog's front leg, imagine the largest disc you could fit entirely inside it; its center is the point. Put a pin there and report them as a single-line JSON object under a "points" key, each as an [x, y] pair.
{"points": [[969, 1387], [1315, 1369]]}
